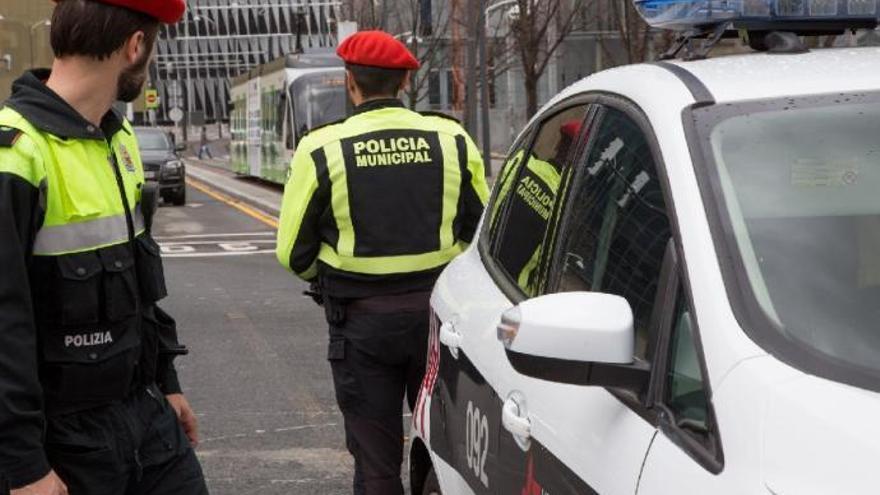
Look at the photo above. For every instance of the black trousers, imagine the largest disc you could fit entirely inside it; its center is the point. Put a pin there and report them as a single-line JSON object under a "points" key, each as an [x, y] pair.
{"points": [[377, 359], [136, 447]]}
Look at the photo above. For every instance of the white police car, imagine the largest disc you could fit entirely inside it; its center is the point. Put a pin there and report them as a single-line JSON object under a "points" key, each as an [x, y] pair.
{"points": [[675, 290]]}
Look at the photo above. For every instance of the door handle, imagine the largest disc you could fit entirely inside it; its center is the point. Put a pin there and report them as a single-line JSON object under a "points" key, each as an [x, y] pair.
{"points": [[450, 338], [515, 419]]}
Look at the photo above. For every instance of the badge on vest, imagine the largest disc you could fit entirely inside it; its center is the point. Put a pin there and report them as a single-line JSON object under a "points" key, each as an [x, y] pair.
{"points": [[126, 159], [8, 136]]}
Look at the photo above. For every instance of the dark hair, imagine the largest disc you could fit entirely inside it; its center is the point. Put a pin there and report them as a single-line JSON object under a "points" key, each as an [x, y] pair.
{"points": [[97, 30], [375, 82]]}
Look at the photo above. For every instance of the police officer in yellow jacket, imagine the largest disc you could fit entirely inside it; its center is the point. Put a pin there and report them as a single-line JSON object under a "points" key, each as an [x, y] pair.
{"points": [[531, 200], [90, 403], [375, 207]]}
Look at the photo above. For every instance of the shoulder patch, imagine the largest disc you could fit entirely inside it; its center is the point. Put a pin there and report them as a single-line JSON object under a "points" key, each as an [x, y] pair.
{"points": [[328, 124], [428, 113], [8, 136]]}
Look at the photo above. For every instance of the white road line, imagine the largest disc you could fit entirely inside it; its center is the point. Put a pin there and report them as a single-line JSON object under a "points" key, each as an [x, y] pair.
{"points": [[212, 255], [276, 430], [219, 236], [218, 241]]}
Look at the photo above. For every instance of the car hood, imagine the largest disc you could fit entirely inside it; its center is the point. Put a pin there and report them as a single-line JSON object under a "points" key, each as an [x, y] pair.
{"points": [[821, 437], [157, 155]]}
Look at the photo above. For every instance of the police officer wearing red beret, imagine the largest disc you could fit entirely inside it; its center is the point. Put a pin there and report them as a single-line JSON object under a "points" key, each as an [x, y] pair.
{"points": [[375, 207], [90, 403]]}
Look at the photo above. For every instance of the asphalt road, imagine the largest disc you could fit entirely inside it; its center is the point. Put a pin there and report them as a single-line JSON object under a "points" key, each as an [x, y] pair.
{"points": [[257, 374]]}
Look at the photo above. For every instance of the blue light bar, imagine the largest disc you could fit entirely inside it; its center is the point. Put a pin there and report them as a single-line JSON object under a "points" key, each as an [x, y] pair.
{"points": [[687, 14]]}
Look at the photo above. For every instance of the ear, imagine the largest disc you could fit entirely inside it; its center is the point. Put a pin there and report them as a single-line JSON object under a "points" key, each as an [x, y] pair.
{"points": [[133, 47], [353, 91], [407, 80], [349, 82]]}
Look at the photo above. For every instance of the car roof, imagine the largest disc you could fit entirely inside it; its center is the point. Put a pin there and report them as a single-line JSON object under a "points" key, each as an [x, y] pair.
{"points": [[733, 78], [766, 75]]}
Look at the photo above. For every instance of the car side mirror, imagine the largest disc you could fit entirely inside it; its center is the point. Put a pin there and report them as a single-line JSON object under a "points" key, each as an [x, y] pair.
{"points": [[582, 338], [180, 147]]}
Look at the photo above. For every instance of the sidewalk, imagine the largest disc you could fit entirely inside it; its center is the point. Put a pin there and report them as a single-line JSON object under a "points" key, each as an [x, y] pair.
{"points": [[251, 191]]}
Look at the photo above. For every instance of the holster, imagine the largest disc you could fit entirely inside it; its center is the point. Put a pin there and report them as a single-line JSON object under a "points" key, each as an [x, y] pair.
{"points": [[335, 309], [159, 344], [316, 293]]}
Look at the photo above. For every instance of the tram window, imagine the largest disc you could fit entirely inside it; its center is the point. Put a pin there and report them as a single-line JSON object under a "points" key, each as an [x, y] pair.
{"points": [[280, 112]]}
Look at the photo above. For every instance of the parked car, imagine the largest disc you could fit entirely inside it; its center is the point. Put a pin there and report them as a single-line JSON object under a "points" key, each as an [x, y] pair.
{"points": [[675, 289], [163, 164]]}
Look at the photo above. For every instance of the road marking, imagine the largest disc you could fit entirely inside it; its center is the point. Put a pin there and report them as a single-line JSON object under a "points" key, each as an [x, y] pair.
{"points": [[211, 255], [276, 430], [238, 205], [217, 242], [218, 236], [207, 247]]}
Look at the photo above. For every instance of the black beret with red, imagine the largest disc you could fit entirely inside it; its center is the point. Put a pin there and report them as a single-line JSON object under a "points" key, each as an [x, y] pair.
{"points": [[167, 11], [376, 49]]}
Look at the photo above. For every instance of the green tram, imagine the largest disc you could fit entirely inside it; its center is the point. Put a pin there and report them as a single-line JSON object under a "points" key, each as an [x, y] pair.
{"points": [[276, 104]]}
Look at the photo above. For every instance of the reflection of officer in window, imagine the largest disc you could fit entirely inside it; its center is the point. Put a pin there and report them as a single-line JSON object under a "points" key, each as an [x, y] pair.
{"points": [[376, 206], [532, 199], [89, 397]]}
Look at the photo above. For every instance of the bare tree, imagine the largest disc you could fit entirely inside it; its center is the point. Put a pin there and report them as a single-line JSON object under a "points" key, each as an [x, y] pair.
{"points": [[426, 38], [624, 37], [538, 28], [423, 27], [366, 13]]}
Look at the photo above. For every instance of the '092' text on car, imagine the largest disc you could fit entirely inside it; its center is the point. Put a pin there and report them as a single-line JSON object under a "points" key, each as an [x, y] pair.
{"points": [[675, 289]]}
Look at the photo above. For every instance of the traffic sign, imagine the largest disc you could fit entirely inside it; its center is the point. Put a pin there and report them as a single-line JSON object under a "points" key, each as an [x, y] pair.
{"points": [[151, 97], [176, 114]]}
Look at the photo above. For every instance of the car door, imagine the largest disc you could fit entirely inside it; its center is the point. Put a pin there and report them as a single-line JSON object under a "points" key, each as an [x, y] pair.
{"points": [[466, 361], [613, 235]]}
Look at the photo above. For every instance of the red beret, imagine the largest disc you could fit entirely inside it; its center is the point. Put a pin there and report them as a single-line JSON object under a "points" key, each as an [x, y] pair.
{"points": [[167, 11], [376, 49], [571, 128]]}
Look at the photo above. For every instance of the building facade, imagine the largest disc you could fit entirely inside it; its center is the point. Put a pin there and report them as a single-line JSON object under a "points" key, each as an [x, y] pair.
{"points": [[24, 39], [218, 40]]}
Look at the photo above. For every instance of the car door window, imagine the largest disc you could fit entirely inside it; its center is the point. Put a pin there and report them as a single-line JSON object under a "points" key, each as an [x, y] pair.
{"points": [[617, 226], [529, 189], [505, 180], [685, 392]]}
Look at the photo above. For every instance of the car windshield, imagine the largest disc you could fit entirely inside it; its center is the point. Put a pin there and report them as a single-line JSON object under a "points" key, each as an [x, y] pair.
{"points": [[318, 99], [797, 183], [152, 140]]}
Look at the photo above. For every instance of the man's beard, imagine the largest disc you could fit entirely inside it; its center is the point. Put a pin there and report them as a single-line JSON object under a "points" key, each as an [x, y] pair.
{"points": [[132, 79]]}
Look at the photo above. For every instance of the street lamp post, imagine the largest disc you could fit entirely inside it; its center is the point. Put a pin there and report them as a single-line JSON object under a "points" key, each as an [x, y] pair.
{"points": [[484, 87], [6, 57], [408, 38], [200, 18], [43, 22], [512, 12], [186, 81]]}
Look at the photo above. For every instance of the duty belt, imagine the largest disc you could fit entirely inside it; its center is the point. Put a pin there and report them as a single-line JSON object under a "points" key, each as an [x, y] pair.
{"points": [[409, 302]]}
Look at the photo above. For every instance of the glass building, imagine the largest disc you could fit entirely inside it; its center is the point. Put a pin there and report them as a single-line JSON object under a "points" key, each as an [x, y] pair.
{"points": [[220, 39]]}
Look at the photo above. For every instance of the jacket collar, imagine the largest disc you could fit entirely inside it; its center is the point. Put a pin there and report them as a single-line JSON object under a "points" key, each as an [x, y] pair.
{"points": [[47, 111], [378, 103]]}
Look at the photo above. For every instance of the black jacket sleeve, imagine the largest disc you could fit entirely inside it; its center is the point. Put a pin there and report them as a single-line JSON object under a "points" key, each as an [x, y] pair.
{"points": [[22, 423]]}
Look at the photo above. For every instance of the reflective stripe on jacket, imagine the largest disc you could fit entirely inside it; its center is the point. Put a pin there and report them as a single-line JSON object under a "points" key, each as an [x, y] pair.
{"points": [[386, 192], [78, 323]]}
